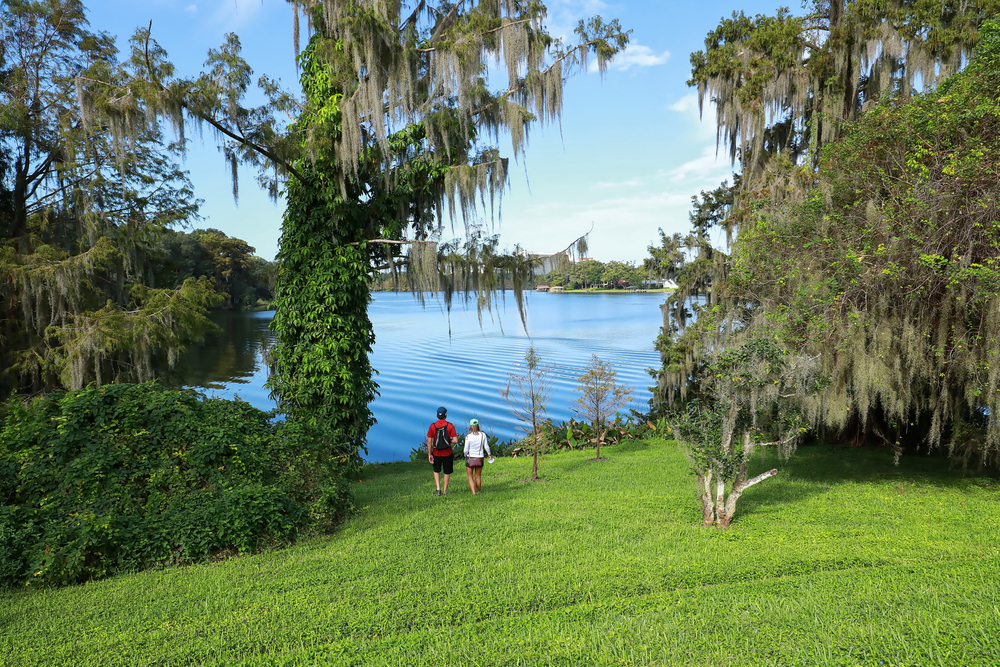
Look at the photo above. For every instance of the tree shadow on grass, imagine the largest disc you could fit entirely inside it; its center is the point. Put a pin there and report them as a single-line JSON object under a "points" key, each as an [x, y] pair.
{"points": [[768, 496], [826, 465], [814, 469]]}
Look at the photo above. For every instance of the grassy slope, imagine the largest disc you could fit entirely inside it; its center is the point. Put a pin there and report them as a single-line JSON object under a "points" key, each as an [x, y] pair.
{"points": [[842, 559]]}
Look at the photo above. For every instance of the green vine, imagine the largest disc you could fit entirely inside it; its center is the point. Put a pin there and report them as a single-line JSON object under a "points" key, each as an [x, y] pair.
{"points": [[321, 368]]}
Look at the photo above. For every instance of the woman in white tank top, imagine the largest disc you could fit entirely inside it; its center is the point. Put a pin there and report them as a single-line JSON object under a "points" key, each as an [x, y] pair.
{"points": [[477, 448]]}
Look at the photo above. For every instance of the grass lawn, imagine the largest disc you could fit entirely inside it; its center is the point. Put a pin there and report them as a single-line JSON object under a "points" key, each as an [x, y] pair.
{"points": [[842, 559]]}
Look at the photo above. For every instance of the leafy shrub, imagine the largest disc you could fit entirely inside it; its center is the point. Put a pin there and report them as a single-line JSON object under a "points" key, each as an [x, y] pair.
{"points": [[128, 476], [575, 434]]}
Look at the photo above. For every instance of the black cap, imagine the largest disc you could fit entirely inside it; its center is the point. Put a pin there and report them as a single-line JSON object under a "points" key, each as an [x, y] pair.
{"points": [[442, 412]]}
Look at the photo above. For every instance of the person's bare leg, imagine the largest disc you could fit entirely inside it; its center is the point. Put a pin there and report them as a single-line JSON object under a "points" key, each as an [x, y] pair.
{"points": [[479, 480], [472, 480], [445, 490], [437, 481]]}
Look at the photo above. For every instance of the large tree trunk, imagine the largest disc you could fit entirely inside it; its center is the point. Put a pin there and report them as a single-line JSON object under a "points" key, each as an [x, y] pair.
{"points": [[19, 214], [721, 512]]}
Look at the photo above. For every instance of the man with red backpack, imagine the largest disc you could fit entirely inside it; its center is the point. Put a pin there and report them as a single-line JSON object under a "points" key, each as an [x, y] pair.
{"points": [[440, 437]]}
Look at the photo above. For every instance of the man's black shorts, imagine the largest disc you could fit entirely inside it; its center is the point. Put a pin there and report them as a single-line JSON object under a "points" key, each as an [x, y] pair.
{"points": [[446, 462]]}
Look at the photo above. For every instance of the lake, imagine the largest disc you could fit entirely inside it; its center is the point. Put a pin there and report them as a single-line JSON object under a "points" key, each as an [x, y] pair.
{"points": [[426, 358]]}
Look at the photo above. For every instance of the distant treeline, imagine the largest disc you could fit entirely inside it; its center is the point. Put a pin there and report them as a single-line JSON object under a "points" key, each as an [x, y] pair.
{"points": [[582, 274], [589, 273], [240, 277]]}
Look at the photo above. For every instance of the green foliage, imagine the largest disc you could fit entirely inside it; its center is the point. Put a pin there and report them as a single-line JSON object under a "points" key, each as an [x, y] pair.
{"points": [[322, 373], [590, 273], [888, 270], [82, 211], [233, 267], [881, 265], [842, 560], [124, 477], [667, 259], [235, 272], [574, 434], [689, 313], [619, 275], [788, 84], [754, 393]]}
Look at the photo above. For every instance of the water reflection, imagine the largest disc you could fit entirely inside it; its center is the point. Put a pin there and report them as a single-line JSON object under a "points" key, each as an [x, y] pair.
{"points": [[231, 363]]}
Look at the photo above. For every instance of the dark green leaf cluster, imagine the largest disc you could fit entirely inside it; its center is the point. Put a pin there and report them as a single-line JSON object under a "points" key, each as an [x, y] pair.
{"points": [[239, 276], [84, 202], [124, 477]]}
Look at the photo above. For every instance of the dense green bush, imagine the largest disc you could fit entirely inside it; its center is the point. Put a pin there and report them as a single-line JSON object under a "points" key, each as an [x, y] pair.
{"points": [[127, 476]]}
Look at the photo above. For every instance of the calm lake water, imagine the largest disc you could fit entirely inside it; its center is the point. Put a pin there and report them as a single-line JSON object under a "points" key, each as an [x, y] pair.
{"points": [[421, 366]]}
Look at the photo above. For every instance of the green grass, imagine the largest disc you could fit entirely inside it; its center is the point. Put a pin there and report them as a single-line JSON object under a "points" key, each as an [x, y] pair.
{"points": [[842, 559]]}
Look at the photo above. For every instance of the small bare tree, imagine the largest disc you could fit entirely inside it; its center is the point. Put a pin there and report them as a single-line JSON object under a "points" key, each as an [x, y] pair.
{"points": [[527, 395], [601, 396]]}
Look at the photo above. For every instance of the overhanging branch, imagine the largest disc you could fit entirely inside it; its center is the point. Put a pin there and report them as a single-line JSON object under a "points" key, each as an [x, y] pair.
{"points": [[214, 123]]}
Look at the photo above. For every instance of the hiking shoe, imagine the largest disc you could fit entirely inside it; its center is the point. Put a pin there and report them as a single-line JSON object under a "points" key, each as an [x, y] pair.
{"points": [[437, 492]]}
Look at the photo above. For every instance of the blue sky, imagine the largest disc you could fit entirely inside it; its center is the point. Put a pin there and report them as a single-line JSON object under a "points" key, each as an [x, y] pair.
{"points": [[630, 154]]}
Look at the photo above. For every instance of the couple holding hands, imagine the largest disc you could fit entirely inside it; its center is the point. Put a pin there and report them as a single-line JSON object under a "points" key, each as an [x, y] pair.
{"points": [[441, 436]]}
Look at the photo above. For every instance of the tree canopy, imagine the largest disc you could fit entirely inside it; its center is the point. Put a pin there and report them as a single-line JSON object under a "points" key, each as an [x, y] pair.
{"points": [[889, 268], [879, 261], [80, 215], [787, 83]]}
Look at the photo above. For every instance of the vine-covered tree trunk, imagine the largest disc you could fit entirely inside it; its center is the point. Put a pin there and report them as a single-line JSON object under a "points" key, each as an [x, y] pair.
{"points": [[324, 336]]}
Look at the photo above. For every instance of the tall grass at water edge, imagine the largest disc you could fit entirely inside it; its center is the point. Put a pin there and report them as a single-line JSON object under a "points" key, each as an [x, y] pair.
{"points": [[842, 559]]}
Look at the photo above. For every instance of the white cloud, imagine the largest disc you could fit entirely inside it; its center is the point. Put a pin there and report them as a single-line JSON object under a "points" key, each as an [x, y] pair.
{"points": [[701, 123], [712, 166], [637, 55], [687, 104], [708, 169], [634, 55], [191, 9]]}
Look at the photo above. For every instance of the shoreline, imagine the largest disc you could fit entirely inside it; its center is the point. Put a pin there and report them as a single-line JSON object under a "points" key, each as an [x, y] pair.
{"points": [[608, 291]]}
